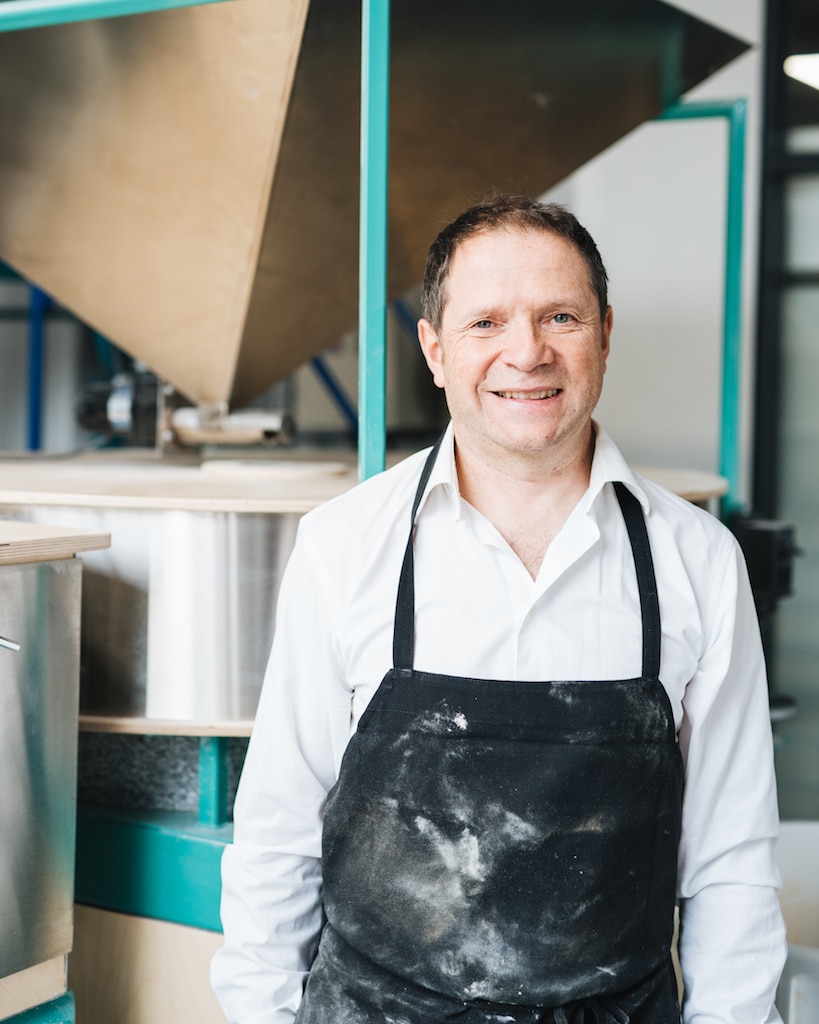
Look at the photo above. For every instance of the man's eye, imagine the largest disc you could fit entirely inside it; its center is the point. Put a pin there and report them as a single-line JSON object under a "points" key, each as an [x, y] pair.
{"points": [[562, 318], [484, 324]]}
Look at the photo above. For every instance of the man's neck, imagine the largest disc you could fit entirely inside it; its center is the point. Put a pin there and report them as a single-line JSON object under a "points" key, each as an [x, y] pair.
{"points": [[526, 499]]}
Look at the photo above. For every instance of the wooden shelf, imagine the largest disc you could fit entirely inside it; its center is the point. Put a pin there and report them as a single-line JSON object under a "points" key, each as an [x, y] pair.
{"points": [[164, 727], [30, 542]]}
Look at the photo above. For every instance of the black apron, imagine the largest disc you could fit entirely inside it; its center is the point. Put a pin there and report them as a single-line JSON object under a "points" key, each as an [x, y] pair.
{"points": [[500, 852]]}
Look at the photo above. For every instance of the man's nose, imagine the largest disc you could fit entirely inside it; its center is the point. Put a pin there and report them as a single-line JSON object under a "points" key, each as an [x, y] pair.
{"points": [[528, 346]]}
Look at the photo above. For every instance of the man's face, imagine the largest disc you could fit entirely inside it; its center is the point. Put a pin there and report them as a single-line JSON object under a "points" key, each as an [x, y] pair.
{"points": [[522, 348]]}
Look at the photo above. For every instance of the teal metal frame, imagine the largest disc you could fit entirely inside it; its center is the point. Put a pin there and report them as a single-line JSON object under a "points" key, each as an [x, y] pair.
{"points": [[372, 265], [159, 864], [213, 755], [21, 14], [57, 1011], [729, 448]]}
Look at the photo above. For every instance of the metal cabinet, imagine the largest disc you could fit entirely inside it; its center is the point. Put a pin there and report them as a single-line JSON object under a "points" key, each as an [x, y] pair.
{"points": [[40, 601], [40, 610]]}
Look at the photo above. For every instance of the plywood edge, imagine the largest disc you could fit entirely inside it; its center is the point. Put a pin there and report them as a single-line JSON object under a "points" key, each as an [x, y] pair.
{"points": [[178, 503], [298, 13], [33, 542], [164, 727], [32, 987]]}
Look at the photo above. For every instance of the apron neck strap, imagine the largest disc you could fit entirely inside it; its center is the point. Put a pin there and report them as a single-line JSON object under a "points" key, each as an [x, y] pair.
{"points": [[403, 641], [403, 644], [646, 579]]}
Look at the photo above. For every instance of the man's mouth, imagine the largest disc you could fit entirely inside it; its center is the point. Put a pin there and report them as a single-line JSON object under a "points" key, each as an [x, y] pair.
{"points": [[529, 396]]}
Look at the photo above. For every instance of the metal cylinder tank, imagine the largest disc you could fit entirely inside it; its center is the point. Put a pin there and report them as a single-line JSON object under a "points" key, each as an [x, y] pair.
{"points": [[179, 612]]}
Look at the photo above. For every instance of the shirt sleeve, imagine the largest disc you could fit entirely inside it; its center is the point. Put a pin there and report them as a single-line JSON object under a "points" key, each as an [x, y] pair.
{"points": [[271, 874], [732, 938]]}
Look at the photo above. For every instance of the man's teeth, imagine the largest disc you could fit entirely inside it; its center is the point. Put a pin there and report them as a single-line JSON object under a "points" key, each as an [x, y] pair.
{"points": [[550, 393]]}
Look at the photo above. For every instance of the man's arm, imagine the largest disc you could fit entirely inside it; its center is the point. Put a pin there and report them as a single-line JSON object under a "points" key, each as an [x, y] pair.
{"points": [[271, 875], [732, 942]]}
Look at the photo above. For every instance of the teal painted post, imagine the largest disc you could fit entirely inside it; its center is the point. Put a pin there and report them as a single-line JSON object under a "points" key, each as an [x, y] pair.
{"points": [[213, 780], [372, 250], [671, 68], [21, 14], [735, 112], [732, 357]]}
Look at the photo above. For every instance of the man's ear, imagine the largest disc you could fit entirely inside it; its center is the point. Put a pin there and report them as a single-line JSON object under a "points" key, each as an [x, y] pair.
{"points": [[608, 323], [433, 353]]}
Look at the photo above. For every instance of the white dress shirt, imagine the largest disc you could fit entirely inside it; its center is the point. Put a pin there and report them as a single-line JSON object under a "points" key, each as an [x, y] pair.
{"points": [[480, 614]]}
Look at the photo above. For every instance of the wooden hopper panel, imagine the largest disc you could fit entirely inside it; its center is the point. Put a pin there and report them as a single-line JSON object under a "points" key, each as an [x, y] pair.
{"points": [[187, 181]]}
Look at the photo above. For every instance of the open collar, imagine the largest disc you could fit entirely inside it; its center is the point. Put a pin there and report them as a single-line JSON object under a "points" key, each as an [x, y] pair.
{"points": [[608, 467]]}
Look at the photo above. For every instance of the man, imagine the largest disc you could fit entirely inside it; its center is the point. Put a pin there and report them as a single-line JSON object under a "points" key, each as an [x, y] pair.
{"points": [[480, 800]]}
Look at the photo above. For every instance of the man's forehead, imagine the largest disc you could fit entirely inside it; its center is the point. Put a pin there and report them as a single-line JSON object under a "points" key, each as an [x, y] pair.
{"points": [[481, 247]]}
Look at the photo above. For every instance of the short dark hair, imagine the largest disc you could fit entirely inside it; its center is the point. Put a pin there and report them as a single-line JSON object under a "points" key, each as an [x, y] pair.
{"points": [[507, 211]]}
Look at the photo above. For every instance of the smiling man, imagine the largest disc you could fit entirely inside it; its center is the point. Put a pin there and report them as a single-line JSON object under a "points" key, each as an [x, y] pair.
{"points": [[520, 348], [515, 708]]}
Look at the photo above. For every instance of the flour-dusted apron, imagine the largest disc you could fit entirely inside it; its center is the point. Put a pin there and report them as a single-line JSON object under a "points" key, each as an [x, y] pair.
{"points": [[503, 851]]}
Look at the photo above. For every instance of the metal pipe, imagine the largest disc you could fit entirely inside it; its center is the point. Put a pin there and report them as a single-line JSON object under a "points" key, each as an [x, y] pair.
{"points": [[38, 302], [213, 754], [735, 112], [372, 266]]}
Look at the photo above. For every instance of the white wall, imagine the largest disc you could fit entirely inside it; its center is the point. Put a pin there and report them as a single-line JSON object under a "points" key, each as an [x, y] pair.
{"points": [[656, 202]]}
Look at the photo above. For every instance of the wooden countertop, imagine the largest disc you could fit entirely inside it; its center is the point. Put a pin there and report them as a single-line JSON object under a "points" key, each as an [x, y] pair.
{"points": [[138, 479], [694, 485], [27, 542], [291, 482]]}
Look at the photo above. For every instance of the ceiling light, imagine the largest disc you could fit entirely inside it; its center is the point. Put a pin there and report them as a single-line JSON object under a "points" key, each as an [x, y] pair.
{"points": [[804, 67]]}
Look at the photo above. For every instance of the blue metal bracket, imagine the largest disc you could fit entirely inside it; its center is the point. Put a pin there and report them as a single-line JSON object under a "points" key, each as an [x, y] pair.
{"points": [[735, 112], [407, 319], [38, 304], [336, 392]]}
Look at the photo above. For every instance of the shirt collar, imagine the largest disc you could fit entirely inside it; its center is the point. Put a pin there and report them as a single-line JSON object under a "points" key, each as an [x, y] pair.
{"points": [[444, 475], [608, 466]]}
